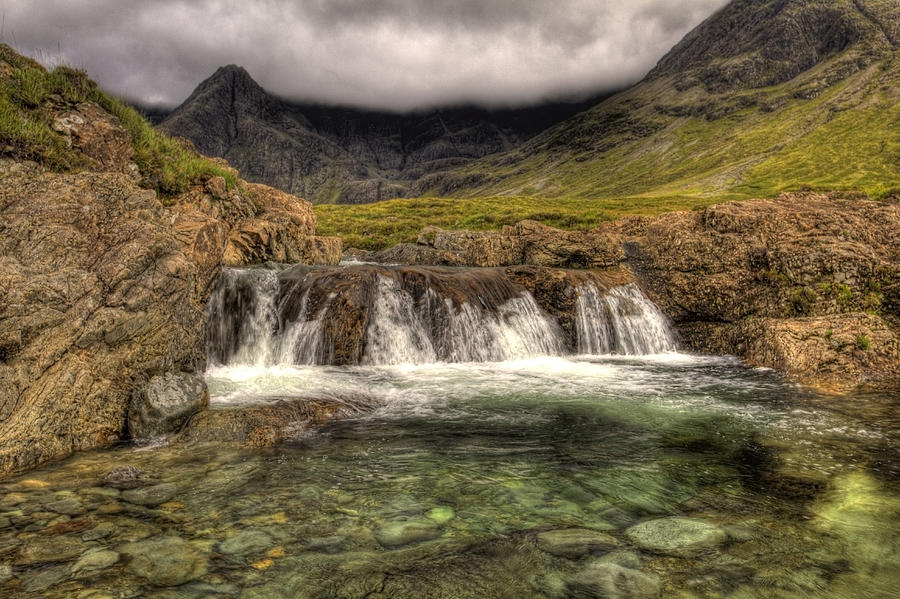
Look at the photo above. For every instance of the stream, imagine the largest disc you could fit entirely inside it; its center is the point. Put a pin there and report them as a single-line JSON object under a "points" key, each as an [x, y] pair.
{"points": [[503, 460]]}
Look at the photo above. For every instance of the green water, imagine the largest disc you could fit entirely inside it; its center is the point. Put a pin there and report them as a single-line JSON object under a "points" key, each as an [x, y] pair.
{"points": [[446, 490]]}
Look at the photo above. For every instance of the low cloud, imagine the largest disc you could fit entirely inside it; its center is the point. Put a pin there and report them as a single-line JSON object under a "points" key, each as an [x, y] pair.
{"points": [[391, 54]]}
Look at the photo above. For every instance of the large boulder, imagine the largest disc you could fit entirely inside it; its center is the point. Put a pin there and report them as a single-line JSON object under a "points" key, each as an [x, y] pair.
{"points": [[164, 404], [95, 292]]}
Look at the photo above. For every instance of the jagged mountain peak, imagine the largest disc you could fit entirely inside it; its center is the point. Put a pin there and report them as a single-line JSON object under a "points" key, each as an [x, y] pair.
{"points": [[759, 43]]}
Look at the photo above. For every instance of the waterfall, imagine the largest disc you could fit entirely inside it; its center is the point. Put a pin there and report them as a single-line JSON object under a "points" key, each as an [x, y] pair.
{"points": [[396, 333], [243, 317], [375, 315], [622, 321]]}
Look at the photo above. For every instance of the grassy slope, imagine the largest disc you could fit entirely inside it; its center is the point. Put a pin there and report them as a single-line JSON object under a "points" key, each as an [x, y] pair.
{"points": [[847, 137], [29, 94]]}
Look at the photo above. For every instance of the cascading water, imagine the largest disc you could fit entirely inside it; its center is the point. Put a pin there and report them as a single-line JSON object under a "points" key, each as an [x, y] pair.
{"points": [[622, 321], [243, 317], [416, 317]]}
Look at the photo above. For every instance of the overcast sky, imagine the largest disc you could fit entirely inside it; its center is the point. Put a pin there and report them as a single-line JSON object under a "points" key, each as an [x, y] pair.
{"points": [[396, 54]]}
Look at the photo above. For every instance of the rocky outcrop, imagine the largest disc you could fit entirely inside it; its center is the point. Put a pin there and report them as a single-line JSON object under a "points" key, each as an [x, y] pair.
{"points": [[806, 283], [103, 285]]}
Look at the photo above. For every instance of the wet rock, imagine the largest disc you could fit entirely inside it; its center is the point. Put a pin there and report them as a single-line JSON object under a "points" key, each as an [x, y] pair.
{"points": [[152, 495], [246, 542], [611, 581], [575, 542], [441, 515], [676, 536], [332, 544], [101, 531], [99, 492], [8, 545], [259, 426], [164, 403], [42, 580], [622, 557], [69, 507], [13, 499], [95, 560], [128, 477], [406, 532], [45, 550], [165, 561]]}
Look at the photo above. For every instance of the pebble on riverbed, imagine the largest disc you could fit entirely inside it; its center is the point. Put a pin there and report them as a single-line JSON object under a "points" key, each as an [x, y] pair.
{"points": [[165, 561], [676, 536], [573, 543]]}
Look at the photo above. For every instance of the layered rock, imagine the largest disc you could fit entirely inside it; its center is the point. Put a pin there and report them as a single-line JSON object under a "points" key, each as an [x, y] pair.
{"points": [[103, 286], [806, 283]]}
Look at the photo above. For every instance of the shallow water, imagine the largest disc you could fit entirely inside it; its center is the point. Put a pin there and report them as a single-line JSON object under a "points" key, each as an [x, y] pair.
{"points": [[443, 490]]}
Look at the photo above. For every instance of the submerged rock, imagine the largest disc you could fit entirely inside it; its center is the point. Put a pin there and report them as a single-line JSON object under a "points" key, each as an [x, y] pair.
{"points": [[262, 426], [245, 542], [611, 581], [676, 536], [406, 532], [128, 477], [164, 404], [575, 542], [45, 550], [95, 560], [42, 580], [150, 496], [165, 561]]}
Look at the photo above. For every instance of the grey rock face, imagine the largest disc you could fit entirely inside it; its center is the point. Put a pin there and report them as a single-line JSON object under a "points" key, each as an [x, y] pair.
{"points": [[165, 403]]}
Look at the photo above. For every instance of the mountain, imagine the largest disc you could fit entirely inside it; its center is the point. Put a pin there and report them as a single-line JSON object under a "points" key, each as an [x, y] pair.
{"points": [[337, 154], [764, 96]]}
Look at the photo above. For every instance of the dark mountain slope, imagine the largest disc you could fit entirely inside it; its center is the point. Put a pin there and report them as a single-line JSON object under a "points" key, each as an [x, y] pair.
{"points": [[761, 97], [339, 154]]}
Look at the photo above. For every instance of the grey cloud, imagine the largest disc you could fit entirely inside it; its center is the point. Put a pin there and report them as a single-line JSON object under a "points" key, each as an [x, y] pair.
{"points": [[397, 54]]}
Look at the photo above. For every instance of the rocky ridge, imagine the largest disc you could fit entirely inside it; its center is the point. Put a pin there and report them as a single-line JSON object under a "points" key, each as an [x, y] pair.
{"points": [[747, 101], [806, 283], [340, 154]]}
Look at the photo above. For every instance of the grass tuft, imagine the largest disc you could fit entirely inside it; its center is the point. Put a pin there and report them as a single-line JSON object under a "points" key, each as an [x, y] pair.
{"points": [[28, 95]]}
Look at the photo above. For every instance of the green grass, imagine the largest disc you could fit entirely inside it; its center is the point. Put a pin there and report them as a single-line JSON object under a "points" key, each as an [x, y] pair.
{"points": [[606, 165], [383, 224], [28, 95]]}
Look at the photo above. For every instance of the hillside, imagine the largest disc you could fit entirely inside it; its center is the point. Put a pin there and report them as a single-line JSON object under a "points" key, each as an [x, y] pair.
{"points": [[762, 97], [335, 154]]}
